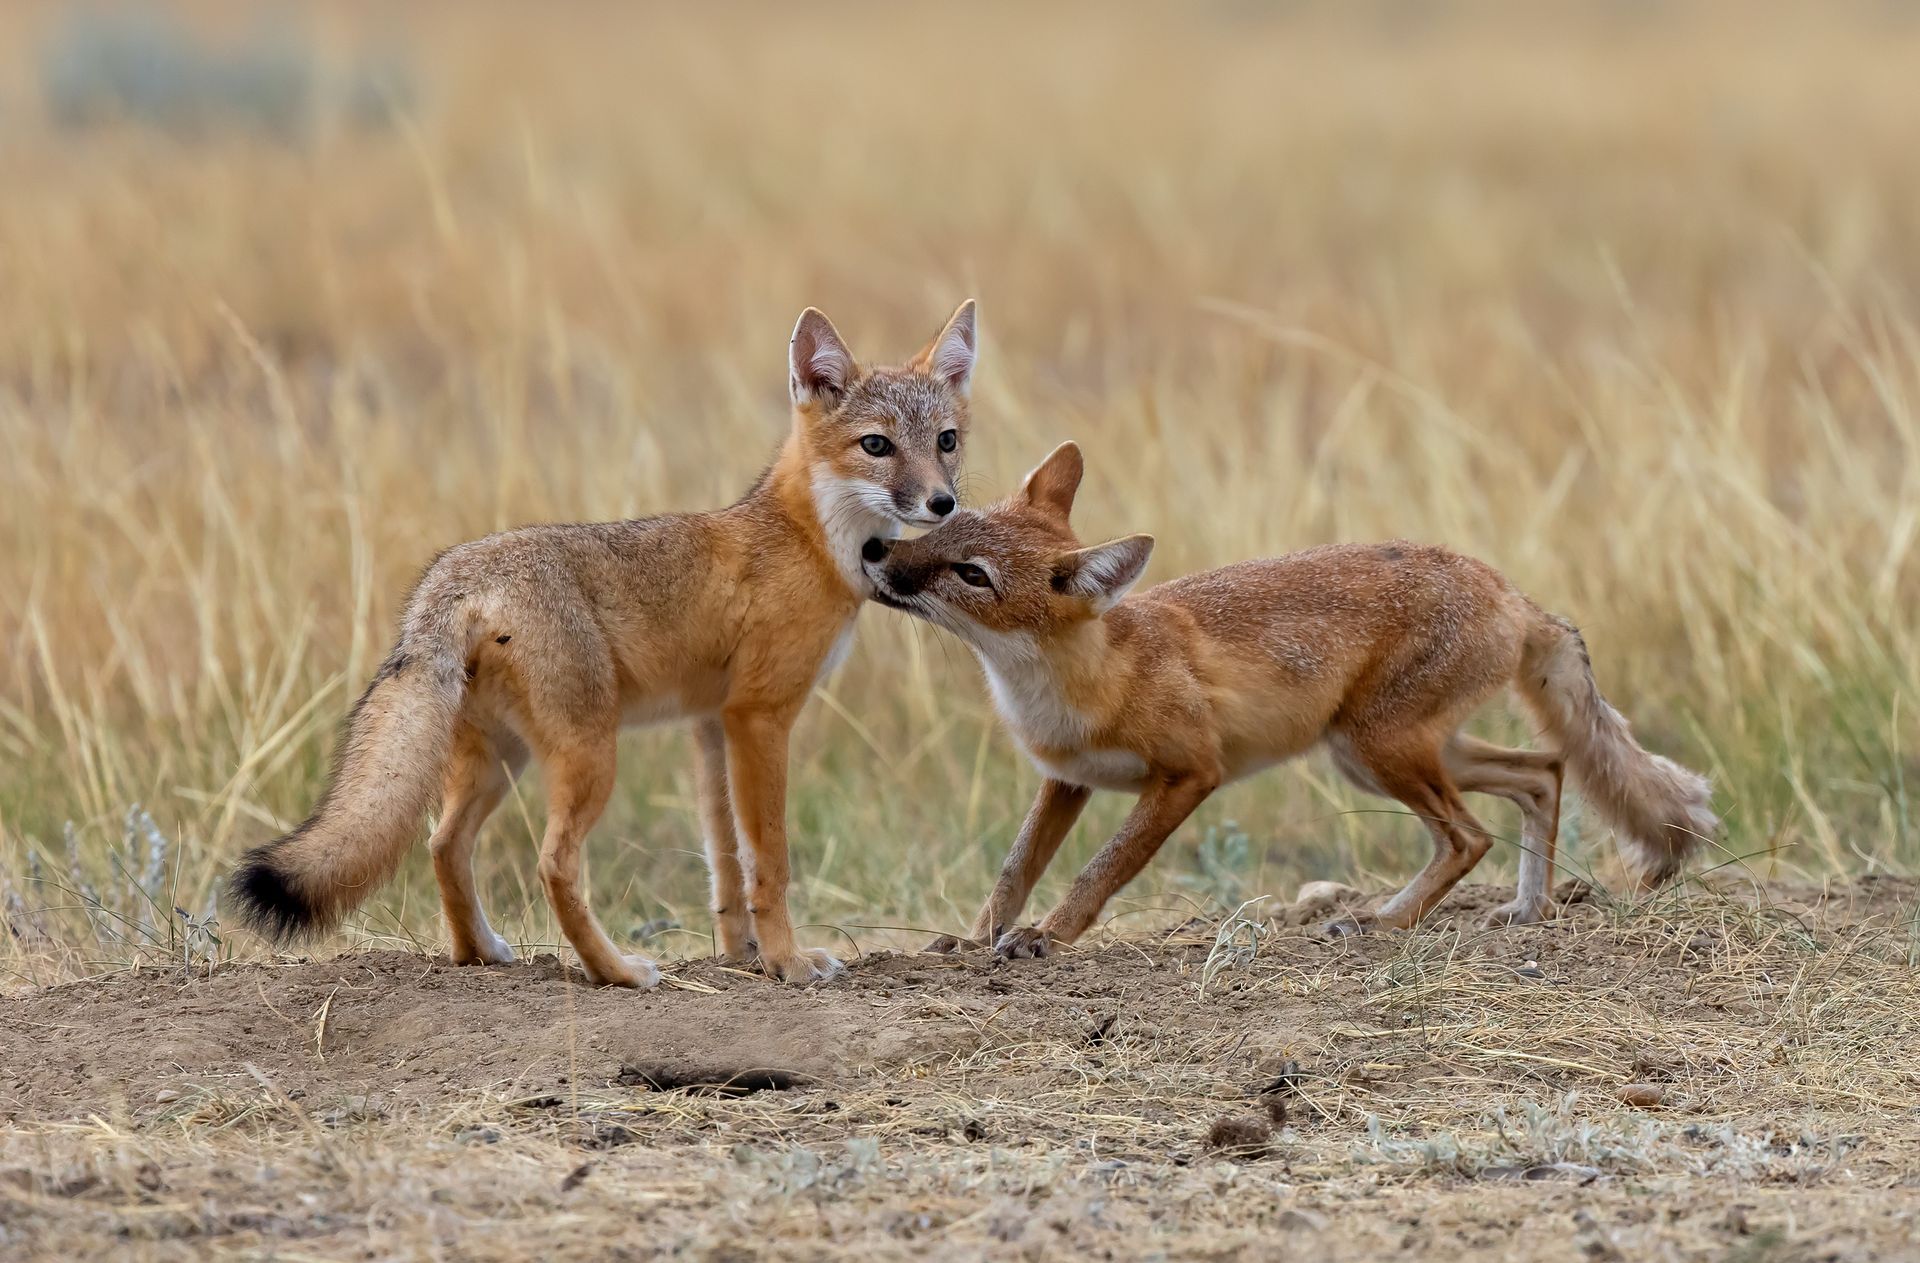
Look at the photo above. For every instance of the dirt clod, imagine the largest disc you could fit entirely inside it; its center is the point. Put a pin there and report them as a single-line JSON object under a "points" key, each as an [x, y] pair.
{"points": [[1240, 1136]]}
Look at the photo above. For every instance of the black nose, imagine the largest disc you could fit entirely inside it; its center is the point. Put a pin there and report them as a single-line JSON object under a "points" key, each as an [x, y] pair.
{"points": [[873, 550], [941, 503]]}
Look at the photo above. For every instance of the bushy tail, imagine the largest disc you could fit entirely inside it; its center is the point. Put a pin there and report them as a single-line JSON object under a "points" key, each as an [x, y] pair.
{"points": [[1658, 808], [386, 774]]}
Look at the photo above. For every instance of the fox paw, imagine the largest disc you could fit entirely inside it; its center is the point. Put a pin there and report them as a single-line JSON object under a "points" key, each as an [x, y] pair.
{"points": [[1350, 925], [950, 945], [805, 965], [1024, 942], [490, 949], [1515, 913], [634, 971]]}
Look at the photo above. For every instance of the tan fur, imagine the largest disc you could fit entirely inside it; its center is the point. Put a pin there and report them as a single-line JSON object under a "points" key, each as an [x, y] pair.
{"points": [[544, 641], [1380, 652]]}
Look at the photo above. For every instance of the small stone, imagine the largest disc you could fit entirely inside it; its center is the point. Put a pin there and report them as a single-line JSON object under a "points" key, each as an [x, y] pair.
{"points": [[1644, 1096], [165, 1095], [1332, 892], [1317, 900]]}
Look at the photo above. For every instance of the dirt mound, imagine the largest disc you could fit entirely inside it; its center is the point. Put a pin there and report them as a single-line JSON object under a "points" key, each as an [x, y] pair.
{"points": [[409, 1029], [1664, 1072]]}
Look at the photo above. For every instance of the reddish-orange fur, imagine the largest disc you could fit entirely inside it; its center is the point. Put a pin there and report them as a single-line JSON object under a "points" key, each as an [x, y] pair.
{"points": [[544, 641], [1378, 652]]}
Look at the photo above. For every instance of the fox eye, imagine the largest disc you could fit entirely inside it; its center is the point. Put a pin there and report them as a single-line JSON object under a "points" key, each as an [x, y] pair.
{"points": [[877, 445], [972, 575], [949, 439]]}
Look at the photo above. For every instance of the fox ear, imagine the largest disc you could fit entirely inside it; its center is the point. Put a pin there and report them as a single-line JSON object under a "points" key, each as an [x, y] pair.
{"points": [[819, 365], [949, 357], [1052, 483], [1105, 572]]}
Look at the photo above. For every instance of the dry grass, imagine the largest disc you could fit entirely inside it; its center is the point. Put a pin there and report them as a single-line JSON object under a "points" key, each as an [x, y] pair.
{"points": [[1621, 298]]}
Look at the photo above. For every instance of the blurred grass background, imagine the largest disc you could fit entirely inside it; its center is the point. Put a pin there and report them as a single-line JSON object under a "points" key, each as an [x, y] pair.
{"points": [[1619, 296]]}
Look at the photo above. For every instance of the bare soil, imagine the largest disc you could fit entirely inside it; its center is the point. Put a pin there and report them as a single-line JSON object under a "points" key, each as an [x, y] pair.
{"points": [[1727, 1073]]}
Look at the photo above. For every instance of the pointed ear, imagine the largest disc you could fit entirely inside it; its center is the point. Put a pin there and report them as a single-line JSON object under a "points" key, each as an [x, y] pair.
{"points": [[1051, 485], [819, 365], [949, 357], [1105, 572]]}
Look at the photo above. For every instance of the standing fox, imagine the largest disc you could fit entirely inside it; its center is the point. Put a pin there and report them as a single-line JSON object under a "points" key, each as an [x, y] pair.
{"points": [[1380, 652], [546, 640]]}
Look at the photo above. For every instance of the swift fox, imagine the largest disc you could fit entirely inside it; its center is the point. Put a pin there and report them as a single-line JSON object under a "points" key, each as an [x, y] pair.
{"points": [[1379, 652], [544, 641]]}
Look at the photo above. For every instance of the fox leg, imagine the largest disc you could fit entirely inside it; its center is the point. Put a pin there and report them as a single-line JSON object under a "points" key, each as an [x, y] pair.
{"points": [[757, 773], [732, 925], [1531, 779], [1048, 822], [478, 775], [579, 782], [1161, 810], [1416, 774]]}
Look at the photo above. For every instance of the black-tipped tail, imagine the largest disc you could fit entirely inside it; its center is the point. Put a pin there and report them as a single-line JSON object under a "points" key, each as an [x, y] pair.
{"points": [[267, 903]]}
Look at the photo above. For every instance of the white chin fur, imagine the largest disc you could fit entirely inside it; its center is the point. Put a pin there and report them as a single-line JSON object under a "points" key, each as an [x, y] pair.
{"points": [[852, 512]]}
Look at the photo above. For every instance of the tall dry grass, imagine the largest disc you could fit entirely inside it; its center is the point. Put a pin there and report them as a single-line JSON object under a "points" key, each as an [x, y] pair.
{"points": [[1620, 297]]}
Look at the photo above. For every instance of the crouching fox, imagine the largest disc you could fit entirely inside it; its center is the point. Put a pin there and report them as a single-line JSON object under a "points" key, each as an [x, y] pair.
{"points": [[1380, 653], [542, 642]]}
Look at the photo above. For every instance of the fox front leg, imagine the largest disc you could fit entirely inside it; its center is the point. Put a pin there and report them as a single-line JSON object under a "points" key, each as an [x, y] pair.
{"points": [[1161, 810], [757, 771], [1049, 820]]}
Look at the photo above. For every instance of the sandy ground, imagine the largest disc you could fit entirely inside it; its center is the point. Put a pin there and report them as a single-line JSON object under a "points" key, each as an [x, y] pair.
{"points": [[1725, 1074]]}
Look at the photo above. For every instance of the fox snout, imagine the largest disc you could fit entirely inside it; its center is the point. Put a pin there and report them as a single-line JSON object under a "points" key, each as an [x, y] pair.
{"points": [[896, 578], [927, 498]]}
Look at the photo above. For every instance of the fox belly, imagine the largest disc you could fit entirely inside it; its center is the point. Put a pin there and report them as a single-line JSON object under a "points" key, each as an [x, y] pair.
{"points": [[1099, 769]]}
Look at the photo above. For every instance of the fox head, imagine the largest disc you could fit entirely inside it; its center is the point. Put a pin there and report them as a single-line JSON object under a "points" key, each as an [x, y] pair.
{"points": [[1013, 571], [883, 445]]}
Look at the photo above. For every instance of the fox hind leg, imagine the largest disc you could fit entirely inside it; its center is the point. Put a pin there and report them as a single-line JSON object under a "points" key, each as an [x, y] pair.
{"points": [[479, 773], [1413, 771], [1531, 779], [579, 782], [732, 922]]}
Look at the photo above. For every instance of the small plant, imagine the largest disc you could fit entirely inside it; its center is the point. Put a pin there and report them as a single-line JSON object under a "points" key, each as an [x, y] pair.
{"points": [[1221, 862], [199, 938], [133, 909], [797, 1169], [1235, 944]]}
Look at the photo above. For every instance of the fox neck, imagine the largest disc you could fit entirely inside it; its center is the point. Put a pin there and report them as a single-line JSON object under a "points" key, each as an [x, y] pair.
{"points": [[1050, 689], [835, 513]]}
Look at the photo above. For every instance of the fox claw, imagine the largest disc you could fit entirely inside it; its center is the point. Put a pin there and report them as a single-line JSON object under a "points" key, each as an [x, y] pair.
{"points": [[949, 945], [1024, 942], [809, 964]]}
